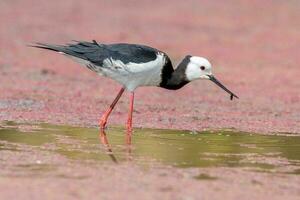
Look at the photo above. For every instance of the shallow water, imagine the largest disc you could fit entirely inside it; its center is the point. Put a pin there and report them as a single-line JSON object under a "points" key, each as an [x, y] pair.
{"points": [[267, 153]]}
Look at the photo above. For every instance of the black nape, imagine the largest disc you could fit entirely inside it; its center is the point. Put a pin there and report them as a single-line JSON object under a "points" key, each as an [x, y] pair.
{"points": [[174, 79]]}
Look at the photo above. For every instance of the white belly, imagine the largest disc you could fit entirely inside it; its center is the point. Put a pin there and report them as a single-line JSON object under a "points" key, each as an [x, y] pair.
{"points": [[149, 78], [133, 75], [130, 75]]}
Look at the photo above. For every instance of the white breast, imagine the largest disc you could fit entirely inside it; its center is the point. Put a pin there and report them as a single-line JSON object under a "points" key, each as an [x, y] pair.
{"points": [[133, 75], [130, 75]]}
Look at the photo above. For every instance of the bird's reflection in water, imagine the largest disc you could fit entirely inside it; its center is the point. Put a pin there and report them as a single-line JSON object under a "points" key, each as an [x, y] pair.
{"points": [[108, 149]]}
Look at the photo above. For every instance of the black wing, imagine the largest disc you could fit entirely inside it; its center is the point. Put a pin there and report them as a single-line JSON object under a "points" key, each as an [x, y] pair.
{"points": [[96, 53]]}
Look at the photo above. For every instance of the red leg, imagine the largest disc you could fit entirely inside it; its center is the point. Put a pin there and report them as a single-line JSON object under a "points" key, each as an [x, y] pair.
{"points": [[104, 141], [129, 127], [104, 117], [129, 121]]}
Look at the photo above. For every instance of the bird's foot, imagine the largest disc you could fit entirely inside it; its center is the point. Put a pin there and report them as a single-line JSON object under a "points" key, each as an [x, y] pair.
{"points": [[129, 130], [102, 123], [128, 135], [129, 127]]}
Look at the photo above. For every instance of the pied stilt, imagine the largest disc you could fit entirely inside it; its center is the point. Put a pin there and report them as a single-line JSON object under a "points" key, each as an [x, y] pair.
{"points": [[134, 65]]}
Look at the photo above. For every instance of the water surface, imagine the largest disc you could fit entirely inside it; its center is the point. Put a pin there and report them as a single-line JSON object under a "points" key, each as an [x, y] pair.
{"points": [[267, 153]]}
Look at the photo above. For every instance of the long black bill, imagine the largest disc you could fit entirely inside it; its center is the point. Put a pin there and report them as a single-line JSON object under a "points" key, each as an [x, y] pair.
{"points": [[213, 79]]}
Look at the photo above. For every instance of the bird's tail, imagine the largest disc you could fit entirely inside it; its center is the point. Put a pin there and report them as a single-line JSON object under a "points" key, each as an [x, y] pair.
{"points": [[67, 50], [57, 48], [77, 50]]}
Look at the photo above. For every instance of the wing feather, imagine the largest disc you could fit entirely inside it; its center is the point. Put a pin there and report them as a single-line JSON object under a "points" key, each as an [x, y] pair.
{"points": [[109, 56]]}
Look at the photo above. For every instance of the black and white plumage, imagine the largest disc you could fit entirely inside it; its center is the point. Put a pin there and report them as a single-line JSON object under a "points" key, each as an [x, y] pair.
{"points": [[129, 64], [134, 65]]}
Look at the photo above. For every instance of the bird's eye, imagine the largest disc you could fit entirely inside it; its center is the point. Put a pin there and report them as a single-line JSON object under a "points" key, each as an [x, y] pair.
{"points": [[202, 68]]}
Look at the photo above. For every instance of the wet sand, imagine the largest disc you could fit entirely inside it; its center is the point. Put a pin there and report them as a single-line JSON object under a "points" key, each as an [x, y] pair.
{"points": [[253, 46], [56, 162], [255, 54]]}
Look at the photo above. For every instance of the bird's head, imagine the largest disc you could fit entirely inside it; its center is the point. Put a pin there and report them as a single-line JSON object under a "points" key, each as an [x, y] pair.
{"points": [[200, 68]]}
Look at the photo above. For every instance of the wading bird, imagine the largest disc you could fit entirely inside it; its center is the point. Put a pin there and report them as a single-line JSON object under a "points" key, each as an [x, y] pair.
{"points": [[134, 65]]}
